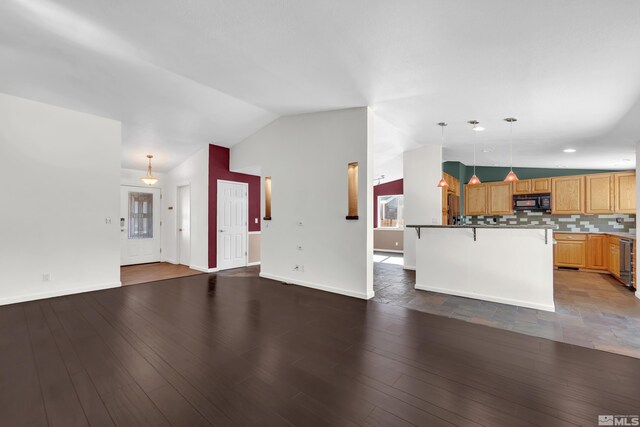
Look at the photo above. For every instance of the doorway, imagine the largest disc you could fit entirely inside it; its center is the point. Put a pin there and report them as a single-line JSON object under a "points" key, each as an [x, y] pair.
{"points": [[232, 224], [183, 221], [139, 225]]}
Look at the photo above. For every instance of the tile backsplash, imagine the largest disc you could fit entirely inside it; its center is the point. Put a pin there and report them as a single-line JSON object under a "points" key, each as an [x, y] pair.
{"points": [[625, 223]]}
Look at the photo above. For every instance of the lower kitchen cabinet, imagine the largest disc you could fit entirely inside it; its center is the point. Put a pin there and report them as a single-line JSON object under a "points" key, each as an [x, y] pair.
{"points": [[614, 256], [597, 251], [570, 250]]}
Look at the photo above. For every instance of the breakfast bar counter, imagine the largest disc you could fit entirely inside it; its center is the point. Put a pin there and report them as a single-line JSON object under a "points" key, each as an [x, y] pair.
{"points": [[505, 264]]}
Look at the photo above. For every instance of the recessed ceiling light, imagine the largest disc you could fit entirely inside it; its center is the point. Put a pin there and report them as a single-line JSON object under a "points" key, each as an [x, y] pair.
{"points": [[626, 160], [569, 150], [486, 150]]}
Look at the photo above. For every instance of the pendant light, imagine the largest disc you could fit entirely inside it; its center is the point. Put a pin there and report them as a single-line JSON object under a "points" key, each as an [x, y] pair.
{"points": [[511, 176], [476, 128], [149, 179], [442, 183]]}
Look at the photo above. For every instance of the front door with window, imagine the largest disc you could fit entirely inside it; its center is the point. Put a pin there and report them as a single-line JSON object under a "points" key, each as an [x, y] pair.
{"points": [[139, 225], [232, 224]]}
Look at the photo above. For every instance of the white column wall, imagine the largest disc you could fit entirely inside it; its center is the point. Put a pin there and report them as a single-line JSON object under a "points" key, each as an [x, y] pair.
{"points": [[60, 174], [422, 169], [306, 156], [194, 171]]}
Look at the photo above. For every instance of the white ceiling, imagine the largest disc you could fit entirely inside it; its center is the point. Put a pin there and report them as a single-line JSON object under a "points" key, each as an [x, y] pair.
{"points": [[183, 73]]}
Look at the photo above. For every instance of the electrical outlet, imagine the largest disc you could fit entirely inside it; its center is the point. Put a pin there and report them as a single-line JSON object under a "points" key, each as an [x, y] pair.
{"points": [[256, 220], [434, 220], [46, 277], [301, 269], [107, 220], [396, 243]]}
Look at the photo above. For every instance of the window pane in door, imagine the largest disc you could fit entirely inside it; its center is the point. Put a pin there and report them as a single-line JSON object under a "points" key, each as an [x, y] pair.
{"points": [[140, 215]]}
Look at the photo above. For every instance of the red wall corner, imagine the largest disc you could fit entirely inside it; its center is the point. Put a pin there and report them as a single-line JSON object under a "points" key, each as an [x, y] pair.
{"points": [[219, 169], [387, 189]]}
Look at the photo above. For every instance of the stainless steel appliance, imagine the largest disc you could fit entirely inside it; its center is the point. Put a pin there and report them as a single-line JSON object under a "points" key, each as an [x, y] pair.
{"points": [[532, 202], [626, 263]]}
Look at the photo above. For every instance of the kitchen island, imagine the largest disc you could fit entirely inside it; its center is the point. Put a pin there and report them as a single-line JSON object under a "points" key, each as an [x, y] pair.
{"points": [[505, 264]]}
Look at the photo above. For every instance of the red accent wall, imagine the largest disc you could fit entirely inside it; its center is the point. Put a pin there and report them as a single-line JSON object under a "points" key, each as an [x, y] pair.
{"points": [[219, 169], [387, 189]]}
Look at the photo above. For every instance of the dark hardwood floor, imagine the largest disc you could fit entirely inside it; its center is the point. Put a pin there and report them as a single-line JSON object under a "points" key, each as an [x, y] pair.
{"points": [[234, 349]]}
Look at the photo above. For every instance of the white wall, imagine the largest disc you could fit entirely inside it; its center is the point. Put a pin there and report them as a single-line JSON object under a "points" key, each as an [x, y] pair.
{"points": [[306, 156], [193, 172], [637, 228], [60, 175], [422, 169]]}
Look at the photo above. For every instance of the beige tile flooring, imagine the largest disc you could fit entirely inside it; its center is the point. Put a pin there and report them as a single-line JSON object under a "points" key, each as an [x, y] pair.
{"points": [[592, 310], [143, 273]]}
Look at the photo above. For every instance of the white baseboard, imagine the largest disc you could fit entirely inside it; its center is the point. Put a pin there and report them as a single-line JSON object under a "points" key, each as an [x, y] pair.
{"points": [[325, 288], [474, 295], [409, 267], [249, 264], [58, 293], [171, 261], [253, 232], [203, 269], [388, 250]]}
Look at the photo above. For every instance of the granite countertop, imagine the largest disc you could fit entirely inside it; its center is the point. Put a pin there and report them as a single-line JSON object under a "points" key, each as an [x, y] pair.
{"points": [[610, 233]]}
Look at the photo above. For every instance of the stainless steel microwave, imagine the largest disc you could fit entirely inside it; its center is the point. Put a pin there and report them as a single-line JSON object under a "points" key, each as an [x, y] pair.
{"points": [[532, 202]]}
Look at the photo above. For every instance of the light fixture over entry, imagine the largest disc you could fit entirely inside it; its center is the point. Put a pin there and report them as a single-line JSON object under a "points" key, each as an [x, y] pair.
{"points": [[149, 179], [511, 176], [443, 182]]}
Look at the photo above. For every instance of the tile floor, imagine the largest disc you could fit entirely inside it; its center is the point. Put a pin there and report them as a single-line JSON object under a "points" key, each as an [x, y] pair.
{"points": [[592, 310]]}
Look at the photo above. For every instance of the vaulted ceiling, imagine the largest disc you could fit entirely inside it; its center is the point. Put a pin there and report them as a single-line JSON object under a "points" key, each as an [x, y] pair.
{"points": [[183, 73]]}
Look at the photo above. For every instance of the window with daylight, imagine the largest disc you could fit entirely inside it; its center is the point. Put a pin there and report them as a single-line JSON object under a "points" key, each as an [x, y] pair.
{"points": [[140, 216], [390, 211]]}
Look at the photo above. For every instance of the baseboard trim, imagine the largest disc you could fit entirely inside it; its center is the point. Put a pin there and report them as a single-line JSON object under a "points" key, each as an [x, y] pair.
{"points": [[58, 293], [393, 251], [203, 269], [409, 267], [319, 287], [253, 232], [249, 264], [170, 261], [477, 296]]}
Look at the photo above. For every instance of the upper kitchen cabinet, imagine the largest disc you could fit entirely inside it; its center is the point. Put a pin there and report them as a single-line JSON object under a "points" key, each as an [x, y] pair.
{"points": [[568, 195], [499, 198], [532, 186], [599, 193], [475, 199], [522, 186], [541, 185], [625, 192]]}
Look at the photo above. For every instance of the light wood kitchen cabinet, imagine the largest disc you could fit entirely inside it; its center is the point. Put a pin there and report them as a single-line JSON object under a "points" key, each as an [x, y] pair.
{"points": [[568, 195], [522, 186], [475, 199], [597, 251], [570, 250], [625, 192], [499, 198], [599, 193], [541, 185], [614, 256]]}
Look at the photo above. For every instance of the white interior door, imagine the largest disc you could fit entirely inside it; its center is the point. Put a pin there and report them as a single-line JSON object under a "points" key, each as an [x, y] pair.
{"points": [[184, 225], [139, 225], [232, 224]]}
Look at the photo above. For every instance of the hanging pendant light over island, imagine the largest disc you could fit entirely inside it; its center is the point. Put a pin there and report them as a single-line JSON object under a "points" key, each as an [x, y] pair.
{"points": [[476, 128], [443, 183], [511, 176]]}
